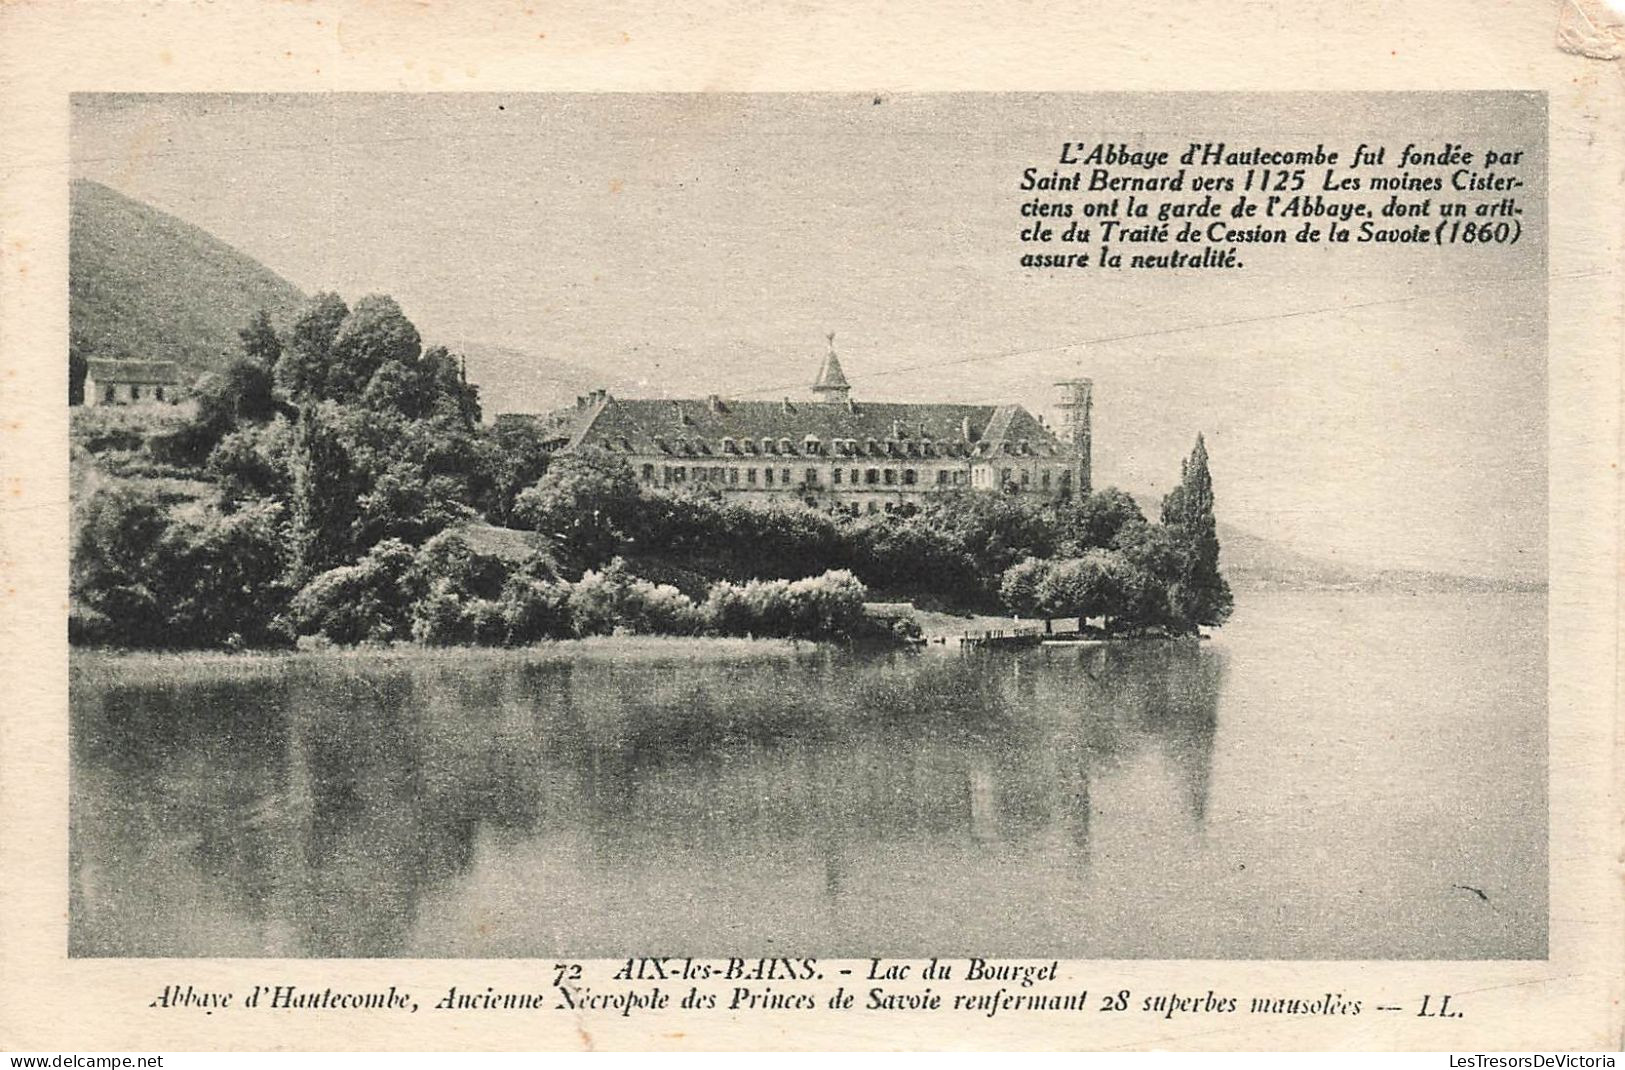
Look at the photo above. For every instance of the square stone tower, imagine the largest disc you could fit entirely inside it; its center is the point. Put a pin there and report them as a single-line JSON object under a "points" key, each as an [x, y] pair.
{"points": [[1074, 398]]}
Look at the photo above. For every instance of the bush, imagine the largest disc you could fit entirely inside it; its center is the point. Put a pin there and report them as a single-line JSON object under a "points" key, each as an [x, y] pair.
{"points": [[658, 609], [595, 599], [253, 462], [905, 628], [144, 577], [535, 609], [821, 607], [1018, 588], [371, 599], [449, 557], [441, 618], [219, 576], [487, 623], [187, 446]]}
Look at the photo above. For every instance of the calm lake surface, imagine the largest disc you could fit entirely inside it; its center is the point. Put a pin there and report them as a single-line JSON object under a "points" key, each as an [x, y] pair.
{"points": [[1329, 778]]}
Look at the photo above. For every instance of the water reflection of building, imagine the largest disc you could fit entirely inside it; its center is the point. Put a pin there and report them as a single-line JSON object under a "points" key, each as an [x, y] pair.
{"points": [[323, 812]]}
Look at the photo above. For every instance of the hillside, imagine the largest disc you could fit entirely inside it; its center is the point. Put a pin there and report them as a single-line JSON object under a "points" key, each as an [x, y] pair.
{"points": [[1255, 562], [1251, 562], [513, 380], [144, 284]]}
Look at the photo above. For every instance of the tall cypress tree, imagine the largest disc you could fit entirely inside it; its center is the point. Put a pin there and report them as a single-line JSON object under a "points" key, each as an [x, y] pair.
{"points": [[323, 498], [1203, 596]]}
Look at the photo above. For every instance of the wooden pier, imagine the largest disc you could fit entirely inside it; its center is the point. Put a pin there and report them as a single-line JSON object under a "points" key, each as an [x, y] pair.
{"points": [[1004, 637]]}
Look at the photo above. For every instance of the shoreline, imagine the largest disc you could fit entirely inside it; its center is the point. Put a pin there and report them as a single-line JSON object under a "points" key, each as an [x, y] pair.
{"points": [[89, 659]]}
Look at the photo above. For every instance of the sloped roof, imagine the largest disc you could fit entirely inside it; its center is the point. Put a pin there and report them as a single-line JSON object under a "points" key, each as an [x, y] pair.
{"points": [[134, 371], [830, 375], [718, 428]]}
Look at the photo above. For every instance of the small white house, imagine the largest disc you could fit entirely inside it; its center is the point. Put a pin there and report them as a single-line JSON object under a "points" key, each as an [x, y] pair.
{"points": [[132, 382]]}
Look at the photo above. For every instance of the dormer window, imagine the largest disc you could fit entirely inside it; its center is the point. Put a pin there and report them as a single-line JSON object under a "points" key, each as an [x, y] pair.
{"points": [[785, 447], [767, 445], [810, 445], [728, 444]]}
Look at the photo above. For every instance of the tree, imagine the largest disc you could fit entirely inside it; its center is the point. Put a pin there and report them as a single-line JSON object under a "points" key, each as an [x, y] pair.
{"points": [[304, 367], [112, 556], [449, 557], [1094, 585], [218, 577], [80, 349], [253, 462], [1187, 512], [587, 501], [1018, 589], [371, 599], [398, 388], [1094, 522], [242, 390], [432, 386], [260, 341], [323, 497], [445, 387], [375, 333], [156, 578], [996, 531], [519, 458]]}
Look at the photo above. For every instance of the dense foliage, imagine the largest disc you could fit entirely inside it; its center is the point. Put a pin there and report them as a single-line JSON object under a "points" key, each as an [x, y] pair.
{"points": [[326, 478], [1098, 557]]}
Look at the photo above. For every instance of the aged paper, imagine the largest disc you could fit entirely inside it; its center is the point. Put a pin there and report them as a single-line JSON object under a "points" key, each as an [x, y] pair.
{"points": [[879, 272]]}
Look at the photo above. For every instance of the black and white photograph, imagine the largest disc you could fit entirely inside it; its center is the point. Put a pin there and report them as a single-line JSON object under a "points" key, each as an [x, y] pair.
{"points": [[554, 524]]}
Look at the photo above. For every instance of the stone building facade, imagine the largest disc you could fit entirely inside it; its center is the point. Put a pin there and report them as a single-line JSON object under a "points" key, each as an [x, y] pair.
{"points": [[832, 449], [131, 382]]}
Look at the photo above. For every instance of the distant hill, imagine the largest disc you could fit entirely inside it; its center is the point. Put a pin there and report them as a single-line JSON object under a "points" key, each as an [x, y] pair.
{"points": [[144, 284], [1251, 562], [513, 380]]}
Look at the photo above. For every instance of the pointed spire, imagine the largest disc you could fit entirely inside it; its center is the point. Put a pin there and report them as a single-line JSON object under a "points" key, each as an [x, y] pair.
{"points": [[831, 384]]}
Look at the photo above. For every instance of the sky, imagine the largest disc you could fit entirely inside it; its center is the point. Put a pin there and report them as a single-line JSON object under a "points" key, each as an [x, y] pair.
{"points": [[1378, 407]]}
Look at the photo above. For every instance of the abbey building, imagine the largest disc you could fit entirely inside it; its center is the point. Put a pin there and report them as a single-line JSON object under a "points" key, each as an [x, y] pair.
{"points": [[832, 449]]}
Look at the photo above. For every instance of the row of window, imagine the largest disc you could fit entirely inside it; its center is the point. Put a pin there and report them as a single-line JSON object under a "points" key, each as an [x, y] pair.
{"points": [[110, 392], [813, 446], [1023, 479], [855, 477]]}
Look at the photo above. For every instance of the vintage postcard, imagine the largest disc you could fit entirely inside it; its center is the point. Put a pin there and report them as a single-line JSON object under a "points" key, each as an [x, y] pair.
{"points": [[532, 550]]}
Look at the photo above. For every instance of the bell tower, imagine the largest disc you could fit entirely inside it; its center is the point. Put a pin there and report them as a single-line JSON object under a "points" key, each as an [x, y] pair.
{"points": [[1074, 398]]}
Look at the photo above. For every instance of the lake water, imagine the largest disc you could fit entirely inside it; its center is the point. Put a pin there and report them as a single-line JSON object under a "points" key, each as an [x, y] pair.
{"points": [[1334, 776]]}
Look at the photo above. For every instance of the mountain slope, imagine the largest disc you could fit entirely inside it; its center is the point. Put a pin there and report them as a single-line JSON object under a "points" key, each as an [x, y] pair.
{"points": [[513, 380], [1256, 562], [1249, 560], [144, 284]]}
